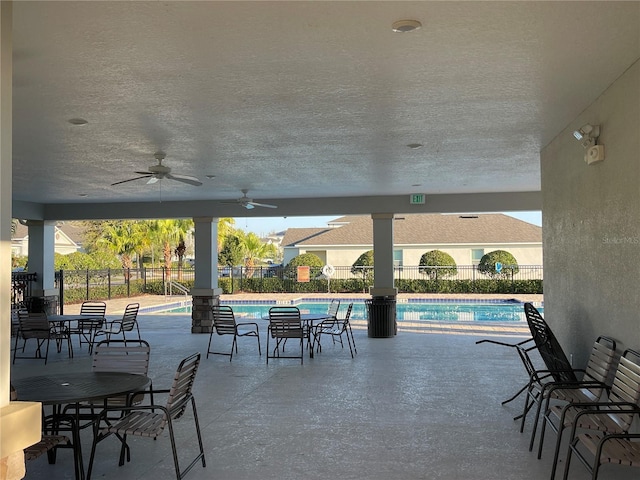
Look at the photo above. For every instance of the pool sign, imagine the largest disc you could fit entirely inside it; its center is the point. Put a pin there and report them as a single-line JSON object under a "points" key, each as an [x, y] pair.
{"points": [[498, 267], [303, 274], [416, 199]]}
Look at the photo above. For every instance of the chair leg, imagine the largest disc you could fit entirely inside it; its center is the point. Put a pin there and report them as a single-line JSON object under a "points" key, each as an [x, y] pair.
{"points": [[46, 354], [209, 345]]}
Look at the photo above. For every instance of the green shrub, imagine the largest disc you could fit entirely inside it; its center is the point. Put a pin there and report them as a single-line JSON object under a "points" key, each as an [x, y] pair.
{"points": [[363, 267], [304, 260], [489, 260], [438, 264]]}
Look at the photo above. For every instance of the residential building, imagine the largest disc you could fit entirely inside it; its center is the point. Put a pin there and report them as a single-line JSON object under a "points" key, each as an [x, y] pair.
{"points": [[465, 237]]}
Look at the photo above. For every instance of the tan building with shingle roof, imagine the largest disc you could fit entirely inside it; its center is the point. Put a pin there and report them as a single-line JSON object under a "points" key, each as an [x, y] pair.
{"points": [[465, 237], [68, 239]]}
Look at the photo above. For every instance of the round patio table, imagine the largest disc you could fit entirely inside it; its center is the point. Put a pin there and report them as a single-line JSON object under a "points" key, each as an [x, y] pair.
{"points": [[72, 388]]}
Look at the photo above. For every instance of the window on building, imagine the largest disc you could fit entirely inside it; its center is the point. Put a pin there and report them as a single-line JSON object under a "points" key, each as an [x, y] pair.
{"points": [[397, 258], [476, 255]]}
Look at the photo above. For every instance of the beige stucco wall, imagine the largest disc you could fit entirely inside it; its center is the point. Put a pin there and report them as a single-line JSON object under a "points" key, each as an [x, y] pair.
{"points": [[591, 226], [524, 255], [346, 255]]}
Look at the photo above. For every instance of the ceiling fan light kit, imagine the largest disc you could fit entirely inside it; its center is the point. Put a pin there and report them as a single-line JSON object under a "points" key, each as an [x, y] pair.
{"points": [[160, 172], [248, 203]]}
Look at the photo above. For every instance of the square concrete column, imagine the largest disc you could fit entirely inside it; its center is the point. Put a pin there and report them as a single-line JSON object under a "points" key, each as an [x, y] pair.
{"points": [[205, 292], [383, 282]]}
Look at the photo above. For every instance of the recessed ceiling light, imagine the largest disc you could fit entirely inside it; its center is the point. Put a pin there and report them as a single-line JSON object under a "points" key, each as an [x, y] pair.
{"points": [[77, 121], [210, 176], [416, 185], [404, 26], [83, 194], [415, 146]]}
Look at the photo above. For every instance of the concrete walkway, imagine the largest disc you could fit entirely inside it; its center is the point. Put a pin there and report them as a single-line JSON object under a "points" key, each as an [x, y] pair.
{"points": [[415, 406]]}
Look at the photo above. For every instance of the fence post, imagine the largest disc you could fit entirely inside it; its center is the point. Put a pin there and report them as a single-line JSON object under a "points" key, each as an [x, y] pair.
{"points": [[87, 279], [61, 293], [109, 283], [128, 279], [513, 286]]}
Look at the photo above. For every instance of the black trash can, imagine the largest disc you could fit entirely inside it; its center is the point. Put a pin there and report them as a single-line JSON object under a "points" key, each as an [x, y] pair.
{"points": [[381, 317], [48, 304]]}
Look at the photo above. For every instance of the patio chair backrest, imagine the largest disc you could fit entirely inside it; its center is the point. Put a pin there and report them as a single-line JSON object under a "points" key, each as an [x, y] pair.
{"points": [[600, 362], [334, 306], [548, 346], [129, 317], [626, 387], [95, 312], [347, 315], [34, 325], [121, 356], [93, 309], [224, 320], [180, 392], [285, 322]]}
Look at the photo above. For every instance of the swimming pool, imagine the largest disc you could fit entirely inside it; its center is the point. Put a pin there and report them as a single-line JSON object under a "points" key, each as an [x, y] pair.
{"points": [[416, 310]]}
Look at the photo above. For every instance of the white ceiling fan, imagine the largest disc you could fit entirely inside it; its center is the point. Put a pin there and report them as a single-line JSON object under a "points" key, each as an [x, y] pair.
{"points": [[159, 172], [248, 203]]}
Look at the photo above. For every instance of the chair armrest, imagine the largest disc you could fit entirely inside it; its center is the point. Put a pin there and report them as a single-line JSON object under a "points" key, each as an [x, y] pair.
{"points": [[247, 323], [505, 344], [553, 386]]}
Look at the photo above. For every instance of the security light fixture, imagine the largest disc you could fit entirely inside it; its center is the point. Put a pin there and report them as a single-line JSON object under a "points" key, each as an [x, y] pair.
{"points": [[587, 135]]}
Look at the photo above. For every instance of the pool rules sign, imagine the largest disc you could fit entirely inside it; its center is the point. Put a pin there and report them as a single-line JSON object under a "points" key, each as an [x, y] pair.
{"points": [[303, 274]]}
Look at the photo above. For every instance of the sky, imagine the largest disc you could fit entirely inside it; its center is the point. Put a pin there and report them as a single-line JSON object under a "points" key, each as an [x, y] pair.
{"points": [[263, 226]]}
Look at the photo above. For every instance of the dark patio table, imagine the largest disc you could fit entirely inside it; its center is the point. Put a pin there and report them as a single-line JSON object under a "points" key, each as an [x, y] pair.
{"points": [[72, 388], [308, 319]]}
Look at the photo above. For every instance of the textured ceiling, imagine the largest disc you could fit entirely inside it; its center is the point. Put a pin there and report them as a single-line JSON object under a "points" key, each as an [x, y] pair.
{"points": [[302, 100]]}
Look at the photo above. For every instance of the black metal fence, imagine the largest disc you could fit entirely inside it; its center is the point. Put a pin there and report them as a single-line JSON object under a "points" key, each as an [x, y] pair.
{"points": [[79, 285]]}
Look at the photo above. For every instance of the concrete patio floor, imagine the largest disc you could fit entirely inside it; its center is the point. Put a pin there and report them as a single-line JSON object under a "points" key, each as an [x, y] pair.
{"points": [[417, 406]]}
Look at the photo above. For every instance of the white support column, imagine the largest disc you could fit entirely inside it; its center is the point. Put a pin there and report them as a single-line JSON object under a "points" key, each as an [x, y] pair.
{"points": [[5, 197], [42, 244], [383, 283], [205, 290], [19, 421]]}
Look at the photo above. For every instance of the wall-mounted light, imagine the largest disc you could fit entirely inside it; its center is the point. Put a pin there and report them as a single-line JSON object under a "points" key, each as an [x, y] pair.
{"points": [[588, 135]]}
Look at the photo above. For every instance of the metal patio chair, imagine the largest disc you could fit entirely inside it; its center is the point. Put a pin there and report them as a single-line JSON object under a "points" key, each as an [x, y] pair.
{"points": [[614, 416], [150, 420], [224, 323], [117, 356], [285, 323], [36, 326], [123, 326], [335, 329], [543, 340], [594, 377], [86, 328], [616, 449]]}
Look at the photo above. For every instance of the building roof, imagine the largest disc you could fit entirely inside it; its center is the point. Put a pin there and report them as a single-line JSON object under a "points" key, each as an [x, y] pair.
{"points": [[73, 230], [421, 229]]}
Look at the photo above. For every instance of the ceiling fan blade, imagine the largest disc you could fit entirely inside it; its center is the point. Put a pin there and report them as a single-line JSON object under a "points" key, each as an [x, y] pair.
{"points": [[131, 179], [185, 179], [144, 173], [266, 205]]}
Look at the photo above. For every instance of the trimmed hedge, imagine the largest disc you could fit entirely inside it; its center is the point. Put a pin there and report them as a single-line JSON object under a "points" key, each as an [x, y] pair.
{"points": [[278, 285]]}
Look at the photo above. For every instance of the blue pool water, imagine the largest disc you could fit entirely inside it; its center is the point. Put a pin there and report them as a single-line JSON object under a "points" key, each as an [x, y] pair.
{"points": [[449, 311]]}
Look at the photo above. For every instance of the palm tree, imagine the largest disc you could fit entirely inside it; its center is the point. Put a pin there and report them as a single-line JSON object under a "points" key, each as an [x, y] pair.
{"points": [[225, 228], [122, 238], [169, 232], [254, 250]]}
